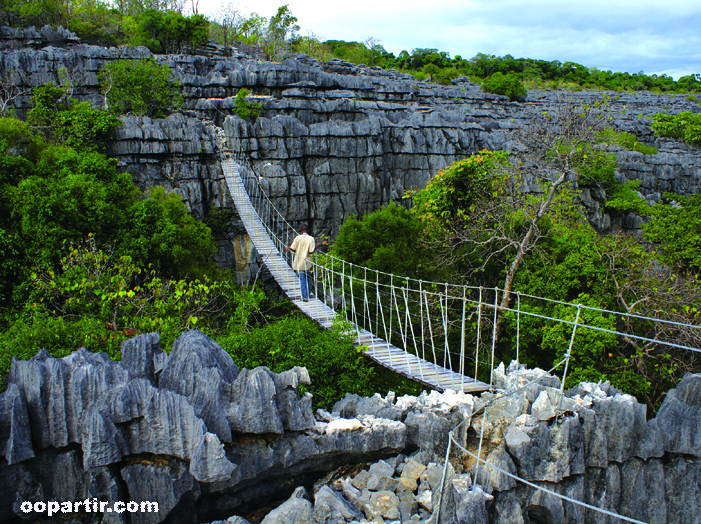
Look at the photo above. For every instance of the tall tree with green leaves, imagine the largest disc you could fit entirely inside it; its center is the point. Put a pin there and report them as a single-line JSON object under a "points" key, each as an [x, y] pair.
{"points": [[141, 87]]}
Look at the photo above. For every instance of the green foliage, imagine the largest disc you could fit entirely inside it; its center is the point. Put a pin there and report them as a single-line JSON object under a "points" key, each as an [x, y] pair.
{"points": [[507, 85], [246, 110], [95, 22], [683, 126], [83, 127], [386, 240], [140, 87], [597, 167], [282, 26], [59, 336], [335, 366], [54, 193], [457, 190], [676, 226], [46, 105], [577, 266], [161, 232], [218, 219], [96, 299], [625, 140], [167, 32]]}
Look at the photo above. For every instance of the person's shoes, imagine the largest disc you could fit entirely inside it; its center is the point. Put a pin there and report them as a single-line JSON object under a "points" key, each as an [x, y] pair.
{"points": [[305, 300]]}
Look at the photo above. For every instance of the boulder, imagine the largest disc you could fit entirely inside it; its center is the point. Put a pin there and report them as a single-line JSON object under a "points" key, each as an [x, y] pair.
{"points": [[679, 417], [201, 371]]}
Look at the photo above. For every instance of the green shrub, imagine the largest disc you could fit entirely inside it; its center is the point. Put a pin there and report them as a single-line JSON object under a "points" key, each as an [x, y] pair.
{"points": [[246, 110], [676, 226], [141, 87], [507, 85], [626, 141], [25, 338], [683, 126], [386, 240], [335, 366]]}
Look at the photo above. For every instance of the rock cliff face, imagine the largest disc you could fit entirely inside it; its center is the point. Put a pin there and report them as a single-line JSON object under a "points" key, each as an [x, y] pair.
{"points": [[205, 440], [333, 139]]}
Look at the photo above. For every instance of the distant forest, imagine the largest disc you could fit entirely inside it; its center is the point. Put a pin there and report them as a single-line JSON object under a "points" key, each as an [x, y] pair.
{"points": [[162, 26]]}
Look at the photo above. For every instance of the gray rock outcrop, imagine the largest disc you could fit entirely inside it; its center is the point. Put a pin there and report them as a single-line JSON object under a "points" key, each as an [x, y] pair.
{"points": [[593, 445], [189, 431]]}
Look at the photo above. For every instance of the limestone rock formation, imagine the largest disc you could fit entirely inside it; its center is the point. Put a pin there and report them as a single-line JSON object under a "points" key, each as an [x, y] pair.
{"points": [[189, 431], [593, 445], [333, 139]]}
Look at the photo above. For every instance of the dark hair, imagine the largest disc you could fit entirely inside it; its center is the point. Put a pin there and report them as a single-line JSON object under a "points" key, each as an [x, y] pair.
{"points": [[304, 228]]}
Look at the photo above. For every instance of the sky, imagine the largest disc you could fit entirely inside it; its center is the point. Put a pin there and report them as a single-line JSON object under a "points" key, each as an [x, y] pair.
{"points": [[652, 36]]}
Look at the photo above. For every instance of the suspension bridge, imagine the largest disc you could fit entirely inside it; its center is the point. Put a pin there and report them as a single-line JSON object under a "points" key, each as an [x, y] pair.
{"points": [[438, 334]]}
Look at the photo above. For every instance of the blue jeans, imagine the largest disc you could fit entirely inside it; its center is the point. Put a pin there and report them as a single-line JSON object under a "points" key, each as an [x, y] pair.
{"points": [[305, 280]]}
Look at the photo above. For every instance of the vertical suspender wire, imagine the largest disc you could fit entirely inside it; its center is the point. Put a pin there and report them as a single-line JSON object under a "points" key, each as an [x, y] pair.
{"points": [[343, 289], [447, 364], [419, 359], [444, 314], [402, 334], [317, 279], [462, 342], [366, 307], [479, 328], [354, 318], [391, 314], [494, 335], [332, 277], [569, 352], [518, 324], [384, 327], [421, 309], [377, 302], [430, 332], [409, 326]]}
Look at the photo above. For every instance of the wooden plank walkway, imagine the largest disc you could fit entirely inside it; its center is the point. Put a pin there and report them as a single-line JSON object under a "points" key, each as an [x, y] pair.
{"points": [[379, 350]]}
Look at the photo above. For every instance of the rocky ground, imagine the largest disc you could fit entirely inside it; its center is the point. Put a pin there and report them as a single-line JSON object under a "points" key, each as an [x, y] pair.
{"points": [[208, 441]]}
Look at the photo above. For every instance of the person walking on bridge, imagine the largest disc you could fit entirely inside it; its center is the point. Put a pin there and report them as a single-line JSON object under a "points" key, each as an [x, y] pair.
{"points": [[303, 246]]}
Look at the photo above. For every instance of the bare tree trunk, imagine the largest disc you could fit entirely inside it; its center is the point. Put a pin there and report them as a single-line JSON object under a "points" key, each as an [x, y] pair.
{"points": [[524, 246]]}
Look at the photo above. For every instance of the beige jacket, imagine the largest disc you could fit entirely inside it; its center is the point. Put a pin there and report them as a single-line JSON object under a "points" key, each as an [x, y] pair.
{"points": [[303, 245]]}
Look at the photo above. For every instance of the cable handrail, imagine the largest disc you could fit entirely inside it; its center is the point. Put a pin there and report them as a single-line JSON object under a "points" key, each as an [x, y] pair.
{"points": [[261, 200]]}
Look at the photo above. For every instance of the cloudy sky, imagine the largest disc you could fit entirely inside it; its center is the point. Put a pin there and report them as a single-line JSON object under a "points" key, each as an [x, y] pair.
{"points": [[619, 35]]}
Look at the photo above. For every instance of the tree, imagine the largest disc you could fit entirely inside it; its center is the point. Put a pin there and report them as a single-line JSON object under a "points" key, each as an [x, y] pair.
{"points": [[282, 25], [253, 28], [386, 240], [676, 227], [227, 26], [95, 22], [477, 212], [507, 85], [140, 87], [684, 126], [373, 45]]}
